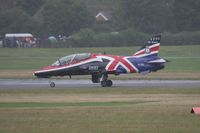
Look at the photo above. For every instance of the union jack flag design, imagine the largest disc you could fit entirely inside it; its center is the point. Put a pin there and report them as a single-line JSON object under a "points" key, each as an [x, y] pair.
{"points": [[117, 62]]}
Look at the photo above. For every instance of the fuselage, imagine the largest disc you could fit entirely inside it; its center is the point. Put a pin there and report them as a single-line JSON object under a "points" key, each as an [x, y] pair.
{"points": [[89, 63]]}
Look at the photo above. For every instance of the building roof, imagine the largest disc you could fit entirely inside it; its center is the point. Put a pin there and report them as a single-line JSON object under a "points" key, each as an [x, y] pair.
{"points": [[19, 35], [105, 15]]}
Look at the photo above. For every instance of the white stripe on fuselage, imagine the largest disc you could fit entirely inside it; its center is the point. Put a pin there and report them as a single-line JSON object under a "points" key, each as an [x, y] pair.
{"points": [[143, 55], [108, 58], [130, 63], [70, 66], [158, 61]]}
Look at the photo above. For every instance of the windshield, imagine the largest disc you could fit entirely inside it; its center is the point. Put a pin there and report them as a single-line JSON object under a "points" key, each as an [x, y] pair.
{"points": [[81, 56], [71, 58]]}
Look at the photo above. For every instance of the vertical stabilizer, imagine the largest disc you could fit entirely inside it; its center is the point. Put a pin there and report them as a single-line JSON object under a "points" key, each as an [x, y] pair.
{"points": [[151, 48]]}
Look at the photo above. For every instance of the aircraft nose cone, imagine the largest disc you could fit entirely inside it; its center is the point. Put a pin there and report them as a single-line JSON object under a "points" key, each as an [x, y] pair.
{"points": [[41, 74], [35, 74], [38, 74]]}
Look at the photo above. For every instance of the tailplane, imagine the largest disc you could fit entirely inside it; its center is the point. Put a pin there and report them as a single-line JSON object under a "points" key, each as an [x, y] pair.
{"points": [[151, 48]]}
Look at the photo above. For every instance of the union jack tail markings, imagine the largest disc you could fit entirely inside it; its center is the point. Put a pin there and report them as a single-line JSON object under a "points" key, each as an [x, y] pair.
{"points": [[148, 50]]}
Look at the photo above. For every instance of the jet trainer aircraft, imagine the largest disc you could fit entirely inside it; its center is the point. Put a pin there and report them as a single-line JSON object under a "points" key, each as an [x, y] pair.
{"points": [[99, 66]]}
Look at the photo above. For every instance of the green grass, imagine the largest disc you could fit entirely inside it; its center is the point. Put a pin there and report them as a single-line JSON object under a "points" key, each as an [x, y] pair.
{"points": [[152, 110], [33, 105], [32, 59], [98, 120], [101, 91], [184, 65], [21, 62], [183, 58], [180, 51]]}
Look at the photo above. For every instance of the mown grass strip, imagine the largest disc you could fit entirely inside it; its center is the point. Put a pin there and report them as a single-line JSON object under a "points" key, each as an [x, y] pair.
{"points": [[33, 59], [101, 91], [55, 105]]}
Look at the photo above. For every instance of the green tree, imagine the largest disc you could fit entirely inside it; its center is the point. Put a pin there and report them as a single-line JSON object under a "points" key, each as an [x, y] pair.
{"points": [[30, 6], [66, 16], [8, 4], [16, 20], [85, 37], [148, 15], [187, 15]]}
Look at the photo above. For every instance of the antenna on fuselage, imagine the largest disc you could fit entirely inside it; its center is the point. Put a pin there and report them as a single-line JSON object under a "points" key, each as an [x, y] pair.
{"points": [[59, 62]]}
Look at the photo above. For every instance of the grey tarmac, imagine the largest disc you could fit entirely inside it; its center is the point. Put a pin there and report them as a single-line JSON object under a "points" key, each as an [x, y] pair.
{"points": [[43, 83]]}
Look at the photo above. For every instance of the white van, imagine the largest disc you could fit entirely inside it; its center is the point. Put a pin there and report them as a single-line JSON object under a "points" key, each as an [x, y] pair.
{"points": [[20, 40]]}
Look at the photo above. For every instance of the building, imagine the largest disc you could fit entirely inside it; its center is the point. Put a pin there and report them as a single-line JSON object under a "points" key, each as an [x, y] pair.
{"points": [[103, 17]]}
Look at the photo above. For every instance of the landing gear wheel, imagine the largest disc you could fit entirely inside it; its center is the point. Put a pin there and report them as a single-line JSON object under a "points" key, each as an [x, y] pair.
{"points": [[106, 83], [103, 83], [52, 84], [109, 83]]}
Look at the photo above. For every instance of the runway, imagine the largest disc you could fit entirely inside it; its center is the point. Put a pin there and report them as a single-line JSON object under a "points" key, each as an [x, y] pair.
{"points": [[31, 83]]}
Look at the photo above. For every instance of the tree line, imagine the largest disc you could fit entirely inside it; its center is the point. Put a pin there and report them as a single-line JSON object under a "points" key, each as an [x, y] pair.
{"points": [[132, 21], [162, 16]]}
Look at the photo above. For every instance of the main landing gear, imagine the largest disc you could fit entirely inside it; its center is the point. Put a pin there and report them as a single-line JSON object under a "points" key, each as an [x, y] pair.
{"points": [[105, 82]]}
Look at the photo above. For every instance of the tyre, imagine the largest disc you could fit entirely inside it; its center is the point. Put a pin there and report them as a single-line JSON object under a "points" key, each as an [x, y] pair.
{"points": [[109, 83], [52, 84], [103, 83]]}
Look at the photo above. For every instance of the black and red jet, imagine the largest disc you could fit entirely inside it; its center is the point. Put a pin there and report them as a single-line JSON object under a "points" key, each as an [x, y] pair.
{"points": [[99, 66]]}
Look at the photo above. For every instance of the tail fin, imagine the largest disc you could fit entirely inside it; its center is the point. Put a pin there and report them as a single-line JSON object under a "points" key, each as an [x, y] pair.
{"points": [[151, 48]]}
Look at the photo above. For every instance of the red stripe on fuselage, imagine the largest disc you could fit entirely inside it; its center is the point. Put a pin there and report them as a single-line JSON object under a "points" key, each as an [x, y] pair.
{"points": [[63, 66]]}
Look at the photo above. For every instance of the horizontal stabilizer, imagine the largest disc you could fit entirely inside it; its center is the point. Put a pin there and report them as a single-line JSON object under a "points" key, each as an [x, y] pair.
{"points": [[157, 61]]}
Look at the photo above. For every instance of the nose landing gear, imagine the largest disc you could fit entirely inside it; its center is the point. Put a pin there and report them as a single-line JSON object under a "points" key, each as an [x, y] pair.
{"points": [[51, 83]]}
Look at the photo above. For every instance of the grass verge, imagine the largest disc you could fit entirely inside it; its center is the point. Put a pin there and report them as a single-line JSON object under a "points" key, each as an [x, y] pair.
{"points": [[20, 63], [99, 110]]}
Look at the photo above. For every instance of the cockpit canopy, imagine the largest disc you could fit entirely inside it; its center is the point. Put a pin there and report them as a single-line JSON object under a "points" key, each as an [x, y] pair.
{"points": [[71, 58]]}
